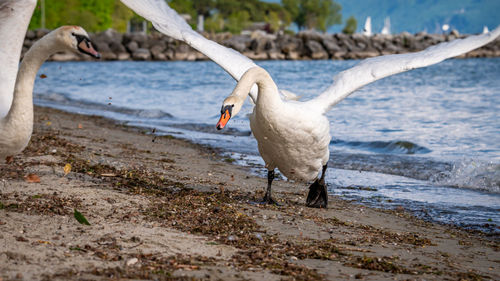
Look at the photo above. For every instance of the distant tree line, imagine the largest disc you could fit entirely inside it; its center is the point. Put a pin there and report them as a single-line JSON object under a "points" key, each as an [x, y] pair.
{"points": [[93, 15], [219, 15]]}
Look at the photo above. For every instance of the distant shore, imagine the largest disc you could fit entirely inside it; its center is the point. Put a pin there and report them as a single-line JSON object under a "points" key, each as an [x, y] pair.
{"points": [[306, 45]]}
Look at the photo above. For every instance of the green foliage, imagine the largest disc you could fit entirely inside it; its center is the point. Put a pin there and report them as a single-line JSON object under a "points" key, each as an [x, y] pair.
{"points": [[220, 15], [203, 7], [313, 14], [238, 21], [121, 15], [258, 11], [214, 24], [274, 21], [350, 25], [183, 7], [93, 15]]}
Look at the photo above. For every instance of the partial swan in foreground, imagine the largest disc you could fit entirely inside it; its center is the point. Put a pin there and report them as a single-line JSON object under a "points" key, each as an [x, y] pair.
{"points": [[294, 136], [15, 16], [17, 126]]}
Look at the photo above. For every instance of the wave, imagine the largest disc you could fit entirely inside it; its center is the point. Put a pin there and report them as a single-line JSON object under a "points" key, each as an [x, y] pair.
{"points": [[63, 100], [471, 174], [400, 165], [393, 147]]}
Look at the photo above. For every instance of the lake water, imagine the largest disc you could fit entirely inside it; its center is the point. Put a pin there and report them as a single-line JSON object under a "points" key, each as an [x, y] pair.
{"points": [[427, 140]]}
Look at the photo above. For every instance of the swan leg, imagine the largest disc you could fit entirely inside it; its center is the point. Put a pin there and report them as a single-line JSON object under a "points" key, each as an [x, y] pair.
{"points": [[267, 198], [318, 195]]}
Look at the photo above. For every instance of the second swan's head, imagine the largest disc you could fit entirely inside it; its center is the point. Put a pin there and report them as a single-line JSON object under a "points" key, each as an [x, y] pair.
{"points": [[230, 107], [232, 104], [76, 39]]}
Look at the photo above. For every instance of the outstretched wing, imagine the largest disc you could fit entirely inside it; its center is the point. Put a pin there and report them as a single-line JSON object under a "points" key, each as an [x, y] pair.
{"points": [[15, 16], [370, 70], [167, 21]]}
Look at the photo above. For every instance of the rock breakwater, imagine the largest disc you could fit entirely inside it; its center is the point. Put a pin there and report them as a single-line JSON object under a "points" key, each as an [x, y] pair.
{"points": [[306, 45]]}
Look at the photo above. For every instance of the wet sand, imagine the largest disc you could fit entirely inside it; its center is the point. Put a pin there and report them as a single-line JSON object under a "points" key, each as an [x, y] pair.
{"points": [[166, 209]]}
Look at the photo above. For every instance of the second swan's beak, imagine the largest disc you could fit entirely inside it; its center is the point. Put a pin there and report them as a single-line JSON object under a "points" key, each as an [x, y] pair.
{"points": [[85, 46], [224, 117]]}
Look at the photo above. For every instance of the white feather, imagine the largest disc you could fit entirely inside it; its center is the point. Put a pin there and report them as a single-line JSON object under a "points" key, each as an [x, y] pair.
{"points": [[167, 21], [15, 16], [372, 69]]}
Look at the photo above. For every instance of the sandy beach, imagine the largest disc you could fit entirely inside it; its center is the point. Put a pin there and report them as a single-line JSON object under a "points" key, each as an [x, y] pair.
{"points": [[160, 208]]}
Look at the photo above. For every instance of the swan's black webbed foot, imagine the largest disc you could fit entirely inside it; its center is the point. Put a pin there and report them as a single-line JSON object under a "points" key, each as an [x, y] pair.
{"points": [[318, 195], [269, 200]]}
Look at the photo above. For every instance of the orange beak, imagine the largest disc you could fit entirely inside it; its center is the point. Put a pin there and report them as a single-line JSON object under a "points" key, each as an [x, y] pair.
{"points": [[224, 117]]}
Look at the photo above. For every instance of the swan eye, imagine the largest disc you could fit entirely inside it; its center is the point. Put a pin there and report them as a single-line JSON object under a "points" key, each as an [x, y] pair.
{"points": [[227, 108]]}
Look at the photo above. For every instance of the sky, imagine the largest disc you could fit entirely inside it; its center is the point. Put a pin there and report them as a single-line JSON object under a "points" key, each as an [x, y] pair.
{"points": [[467, 16]]}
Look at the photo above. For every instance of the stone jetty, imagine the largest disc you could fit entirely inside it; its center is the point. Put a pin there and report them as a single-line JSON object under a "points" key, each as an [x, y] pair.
{"points": [[305, 45]]}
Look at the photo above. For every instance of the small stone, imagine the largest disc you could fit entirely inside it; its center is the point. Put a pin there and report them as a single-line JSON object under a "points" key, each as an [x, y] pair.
{"points": [[259, 236], [132, 261]]}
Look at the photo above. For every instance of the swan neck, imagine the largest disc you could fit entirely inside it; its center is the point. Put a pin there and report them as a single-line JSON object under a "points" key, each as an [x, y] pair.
{"points": [[267, 88], [22, 103]]}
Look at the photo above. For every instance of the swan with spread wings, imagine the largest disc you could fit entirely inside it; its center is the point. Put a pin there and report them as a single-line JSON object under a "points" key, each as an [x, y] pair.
{"points": [[294, 136]]}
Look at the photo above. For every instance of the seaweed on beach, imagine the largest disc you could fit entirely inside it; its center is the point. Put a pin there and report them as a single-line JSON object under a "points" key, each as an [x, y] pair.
{"points": [[40, 204], [50, 142], [150, 266], [386, 264], [222, 215]]}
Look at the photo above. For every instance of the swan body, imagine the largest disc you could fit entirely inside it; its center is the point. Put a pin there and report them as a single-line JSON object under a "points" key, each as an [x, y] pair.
{"points": [[282, 128], [291, 137], [294, 136], [17, 126]]}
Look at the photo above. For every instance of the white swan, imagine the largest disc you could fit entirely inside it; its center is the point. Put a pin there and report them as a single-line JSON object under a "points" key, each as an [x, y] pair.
{"points": [[294, 136], [17, 126]]}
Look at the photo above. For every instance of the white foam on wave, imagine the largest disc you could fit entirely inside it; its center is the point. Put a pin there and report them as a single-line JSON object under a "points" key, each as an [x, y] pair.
{"points": [[472, 174]]}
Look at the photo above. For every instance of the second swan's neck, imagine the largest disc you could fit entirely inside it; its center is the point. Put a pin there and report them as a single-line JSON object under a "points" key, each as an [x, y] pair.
{"points": [[22, 103], [268, 91]]}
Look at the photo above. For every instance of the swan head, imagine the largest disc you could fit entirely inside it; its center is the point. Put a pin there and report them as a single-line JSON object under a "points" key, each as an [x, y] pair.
{"points": [[230, 107], [76, 39]]}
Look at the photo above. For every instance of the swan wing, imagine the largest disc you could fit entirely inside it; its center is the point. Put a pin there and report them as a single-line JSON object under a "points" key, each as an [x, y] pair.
{"points": [[15, 17], [372, 69], [167, 21]]}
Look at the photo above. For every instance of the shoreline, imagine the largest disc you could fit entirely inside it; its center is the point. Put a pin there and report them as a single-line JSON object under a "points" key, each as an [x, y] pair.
{"points": [[169, 208], [258, 45]]}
